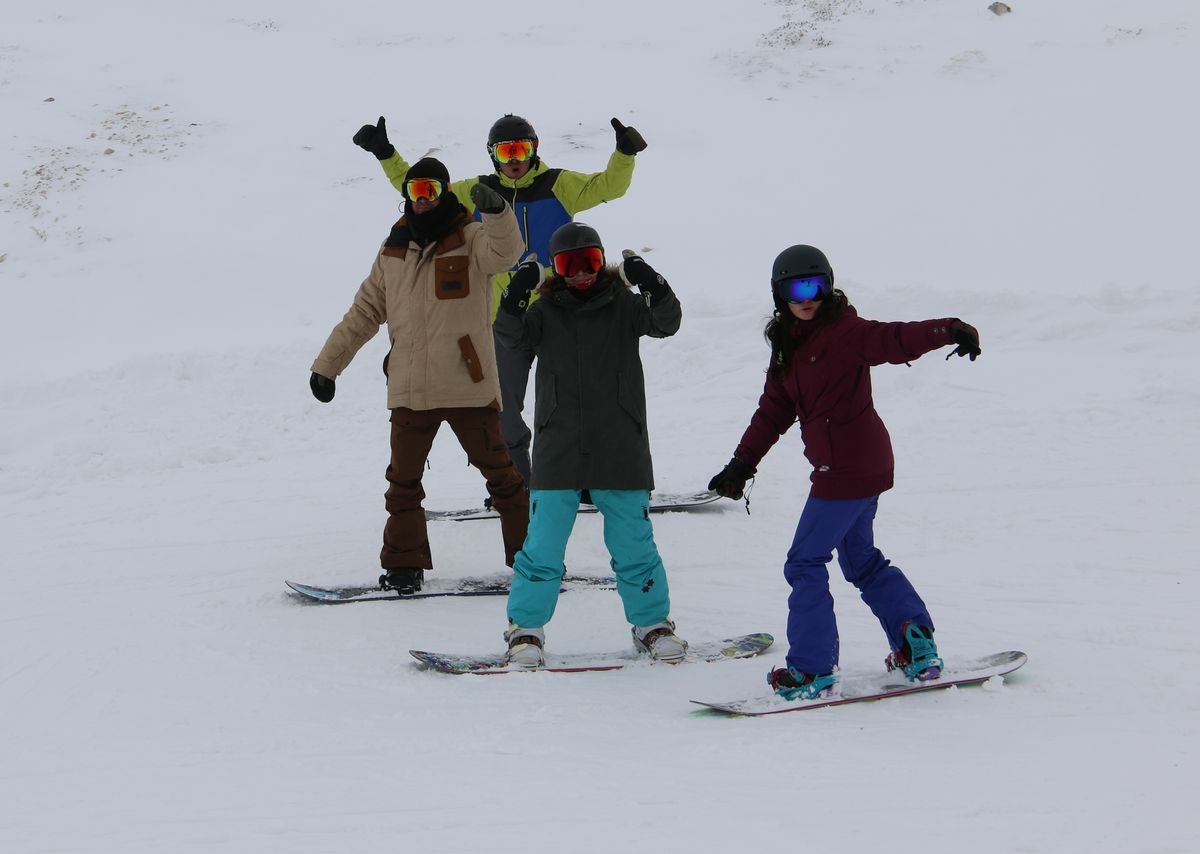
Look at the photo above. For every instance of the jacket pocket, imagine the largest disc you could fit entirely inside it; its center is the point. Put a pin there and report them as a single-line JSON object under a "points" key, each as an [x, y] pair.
{"points": [[632, 397], [817, 436], [829, 460], [544, 402], [474, 367], [450, 277]]}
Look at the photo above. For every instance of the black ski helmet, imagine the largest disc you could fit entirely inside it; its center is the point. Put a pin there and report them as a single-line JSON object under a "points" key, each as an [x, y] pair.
{"points": [[573, 235], [511, 127], [800, 260]]}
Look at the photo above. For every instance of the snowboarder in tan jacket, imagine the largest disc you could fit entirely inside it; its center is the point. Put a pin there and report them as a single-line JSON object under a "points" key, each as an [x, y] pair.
{"points": [[429, 284]]}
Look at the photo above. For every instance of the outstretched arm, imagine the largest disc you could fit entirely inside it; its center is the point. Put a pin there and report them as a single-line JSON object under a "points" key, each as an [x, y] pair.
{"points": [[374, 138], [878, 343], [579, 191], [367, 313], [395, 167]]}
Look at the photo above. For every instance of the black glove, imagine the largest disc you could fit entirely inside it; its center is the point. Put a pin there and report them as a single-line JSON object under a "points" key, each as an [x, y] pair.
{"points": [[486, 199], [629, 141], [637, 273], [528, 276], [732, 479], [373, 138], [966, 337], [322, 388]]}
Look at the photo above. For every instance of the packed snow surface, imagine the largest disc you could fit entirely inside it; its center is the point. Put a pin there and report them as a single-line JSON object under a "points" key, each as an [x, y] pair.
{"points": [[183, 218]]}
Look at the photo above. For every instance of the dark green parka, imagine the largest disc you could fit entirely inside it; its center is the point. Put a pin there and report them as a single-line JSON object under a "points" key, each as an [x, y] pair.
{"points": [[589, 428]]}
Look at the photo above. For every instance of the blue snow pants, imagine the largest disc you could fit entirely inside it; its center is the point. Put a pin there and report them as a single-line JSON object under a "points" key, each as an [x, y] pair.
{"points": [[641, 578], [845, 525]]}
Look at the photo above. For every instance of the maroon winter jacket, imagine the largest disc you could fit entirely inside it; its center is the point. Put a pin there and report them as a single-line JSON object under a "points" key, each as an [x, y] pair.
{"points": [[827, 387]]}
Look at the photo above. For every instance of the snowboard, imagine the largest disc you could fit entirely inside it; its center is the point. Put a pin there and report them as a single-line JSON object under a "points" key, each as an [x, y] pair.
{"points": [[860, 689], [660, 502], [493, 585], [744, 646]]}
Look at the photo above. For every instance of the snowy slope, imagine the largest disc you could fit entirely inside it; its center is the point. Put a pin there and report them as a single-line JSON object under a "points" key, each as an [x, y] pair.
{"points": [[163, 467]]}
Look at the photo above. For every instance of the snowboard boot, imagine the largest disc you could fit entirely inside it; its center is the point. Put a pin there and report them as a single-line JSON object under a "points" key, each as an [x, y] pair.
{"points": [[792, 684], [403, 579], [918, 656], [525, 647], [660, 642]]}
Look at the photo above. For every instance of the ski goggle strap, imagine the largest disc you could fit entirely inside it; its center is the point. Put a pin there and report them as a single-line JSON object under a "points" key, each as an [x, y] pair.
{"points": [[803, 288], [575, 262], [427, 189], [518, 150]]}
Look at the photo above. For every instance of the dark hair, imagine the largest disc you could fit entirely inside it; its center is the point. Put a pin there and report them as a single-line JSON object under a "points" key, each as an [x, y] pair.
{"points": [[778, 330]]}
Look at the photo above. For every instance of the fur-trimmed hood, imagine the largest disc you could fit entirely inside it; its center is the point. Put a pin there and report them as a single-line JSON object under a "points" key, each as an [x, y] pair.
{"points": [[609, 278]]}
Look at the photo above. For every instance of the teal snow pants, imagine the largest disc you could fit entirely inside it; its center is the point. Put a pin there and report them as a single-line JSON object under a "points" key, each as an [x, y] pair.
{"points": [[641, 578]]}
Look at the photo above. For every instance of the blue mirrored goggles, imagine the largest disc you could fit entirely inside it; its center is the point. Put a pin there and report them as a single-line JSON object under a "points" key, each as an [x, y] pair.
{"points": [[803, 288]]}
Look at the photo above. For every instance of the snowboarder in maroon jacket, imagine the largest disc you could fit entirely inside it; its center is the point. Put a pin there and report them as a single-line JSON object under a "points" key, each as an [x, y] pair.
{"points": [[820, 375]]}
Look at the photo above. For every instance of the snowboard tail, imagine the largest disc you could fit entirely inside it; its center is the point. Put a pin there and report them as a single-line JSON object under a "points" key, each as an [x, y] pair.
{"points": [[861, 689], [743, 646]]}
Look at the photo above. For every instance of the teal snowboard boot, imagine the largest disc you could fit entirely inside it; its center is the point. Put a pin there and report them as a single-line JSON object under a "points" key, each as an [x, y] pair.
{"points": [[918, 657], [792, 684]]}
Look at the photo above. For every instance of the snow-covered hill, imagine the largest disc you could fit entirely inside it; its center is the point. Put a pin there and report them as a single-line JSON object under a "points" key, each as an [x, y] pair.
{"points": [[182, 220]]}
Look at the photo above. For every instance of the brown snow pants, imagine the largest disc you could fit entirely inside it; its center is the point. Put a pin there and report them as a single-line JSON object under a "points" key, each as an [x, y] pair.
{"points": [[405, 536]]}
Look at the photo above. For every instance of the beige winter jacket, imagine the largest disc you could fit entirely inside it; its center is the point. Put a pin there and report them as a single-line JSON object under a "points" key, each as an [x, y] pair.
{"points": [[437, 306]]}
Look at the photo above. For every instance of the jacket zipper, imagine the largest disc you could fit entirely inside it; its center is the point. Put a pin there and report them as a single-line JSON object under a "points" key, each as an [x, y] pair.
{"points": [[524, 220], [829, 442]]}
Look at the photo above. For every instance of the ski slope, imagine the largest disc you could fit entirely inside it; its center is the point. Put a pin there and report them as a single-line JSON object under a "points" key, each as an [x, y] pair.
{"points": [[183, 219]]}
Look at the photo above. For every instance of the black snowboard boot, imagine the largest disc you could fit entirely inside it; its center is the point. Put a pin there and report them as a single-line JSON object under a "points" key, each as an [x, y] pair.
{"points": [[404, 579]]}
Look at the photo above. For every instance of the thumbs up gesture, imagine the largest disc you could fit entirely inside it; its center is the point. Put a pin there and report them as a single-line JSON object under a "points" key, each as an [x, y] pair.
{"points": [[629, 141], [373, 138]]}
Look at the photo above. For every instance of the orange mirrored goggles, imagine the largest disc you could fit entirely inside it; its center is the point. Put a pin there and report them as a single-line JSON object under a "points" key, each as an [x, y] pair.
{"points": [[518, 150], [576, 262], [424, 189]]}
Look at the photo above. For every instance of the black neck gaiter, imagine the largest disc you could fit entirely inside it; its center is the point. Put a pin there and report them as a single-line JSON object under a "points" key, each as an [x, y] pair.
{"points": [[432, 226]]}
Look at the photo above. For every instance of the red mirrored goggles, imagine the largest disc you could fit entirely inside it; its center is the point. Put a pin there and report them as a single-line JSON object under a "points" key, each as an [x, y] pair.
{"points": [[579, 262], [513, 150], [803, 288], [424, 189]]}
